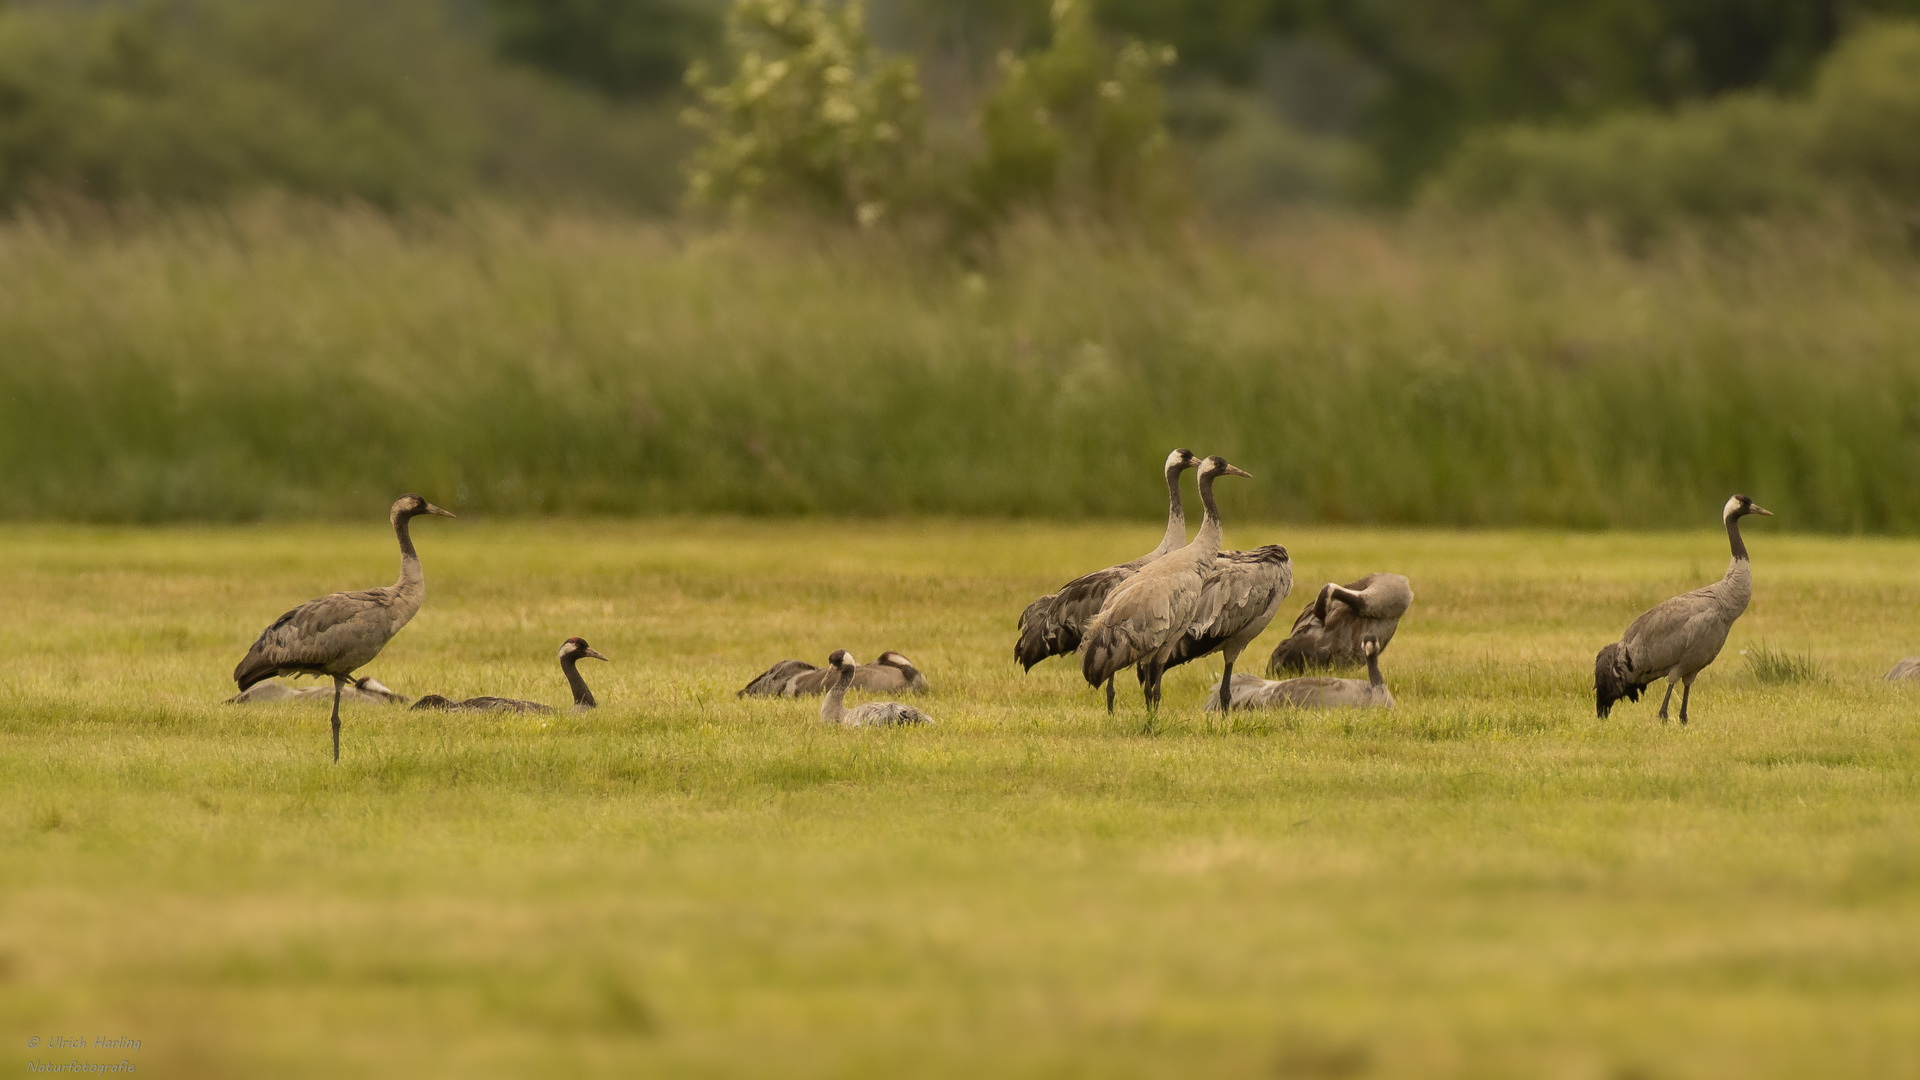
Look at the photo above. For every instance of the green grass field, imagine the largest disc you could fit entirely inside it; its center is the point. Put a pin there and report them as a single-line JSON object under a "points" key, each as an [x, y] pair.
{"points": [[1486, 882]]}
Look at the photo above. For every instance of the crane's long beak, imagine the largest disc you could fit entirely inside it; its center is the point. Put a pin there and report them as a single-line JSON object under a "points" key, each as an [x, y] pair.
{"points": [[595, 653], [1756, 508], [432, 509], [1234, 470]]}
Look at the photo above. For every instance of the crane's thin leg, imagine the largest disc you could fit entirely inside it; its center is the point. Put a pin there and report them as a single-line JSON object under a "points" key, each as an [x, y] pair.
{"points": [[336, 718], [1686, 691], [1226, 687], [1664, 700], [1109, 695]]}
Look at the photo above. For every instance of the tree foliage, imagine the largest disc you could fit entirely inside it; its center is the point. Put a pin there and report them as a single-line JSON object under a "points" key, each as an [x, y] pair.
{"points": [[380, 101], [628, 48], [812, 117], [1444, 68], [1082, 120], [1855, 136]]}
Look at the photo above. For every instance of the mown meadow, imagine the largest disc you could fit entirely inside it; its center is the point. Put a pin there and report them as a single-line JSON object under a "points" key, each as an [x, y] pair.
{"points": [[283, 360], [1488, 881]]}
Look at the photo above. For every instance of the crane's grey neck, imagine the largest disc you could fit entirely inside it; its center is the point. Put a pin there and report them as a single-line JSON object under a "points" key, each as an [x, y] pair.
{"points": [[1733, 537], [1176, 534], [1373, 670], [835, 706], [582, 697], [409, 559], [1208, 539]]}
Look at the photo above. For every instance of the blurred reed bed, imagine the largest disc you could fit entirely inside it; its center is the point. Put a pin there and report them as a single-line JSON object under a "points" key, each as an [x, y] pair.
{"points": [[282, 359]]}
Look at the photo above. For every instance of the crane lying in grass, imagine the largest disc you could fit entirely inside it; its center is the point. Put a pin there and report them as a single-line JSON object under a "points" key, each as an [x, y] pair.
{"points": [[572, 651], [1678, 638], [871, 714], [364, 688], [893, 673], [1309, 692]]}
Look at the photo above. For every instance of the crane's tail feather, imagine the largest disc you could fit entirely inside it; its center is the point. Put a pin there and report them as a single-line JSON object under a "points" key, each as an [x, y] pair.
{"points": [[769, 682], [1035, 644], [1612, 679], [1103, 653], [1041, 635], [1295, 654], [253, 668]]}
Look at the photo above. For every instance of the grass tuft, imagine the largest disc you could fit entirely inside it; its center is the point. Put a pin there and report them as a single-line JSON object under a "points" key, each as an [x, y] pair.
{"points": [[1779, 667]]}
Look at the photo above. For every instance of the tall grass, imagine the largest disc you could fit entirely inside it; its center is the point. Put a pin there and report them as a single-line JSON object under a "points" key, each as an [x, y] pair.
{"points": [[283, 360], [1769, 664]]}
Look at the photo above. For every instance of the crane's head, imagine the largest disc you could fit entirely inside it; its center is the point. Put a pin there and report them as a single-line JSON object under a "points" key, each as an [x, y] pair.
{"points": [[841, 659], [1217, 466], [411, 505], [576, 648], [1181, 460], [894, 659], [1369, 646], [1741, 506]]}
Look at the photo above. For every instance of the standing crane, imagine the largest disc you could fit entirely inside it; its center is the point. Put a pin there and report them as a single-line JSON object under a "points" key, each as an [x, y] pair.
{"points": [[1144, 618], [1239, 597], [1678, 638], [337, 634], [1053, 624]]}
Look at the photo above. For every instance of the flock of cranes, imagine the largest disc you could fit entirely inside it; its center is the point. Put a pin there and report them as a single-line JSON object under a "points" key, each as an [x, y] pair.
{"points": [[1178, 603], [1184, 601]]}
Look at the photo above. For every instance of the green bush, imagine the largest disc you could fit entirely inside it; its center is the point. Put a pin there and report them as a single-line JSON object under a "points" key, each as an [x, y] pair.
{"points": [[1081, 122], [1857, 135], [812, 117], [628, 48], [1866, 131], [380, 101], [113, 104]]}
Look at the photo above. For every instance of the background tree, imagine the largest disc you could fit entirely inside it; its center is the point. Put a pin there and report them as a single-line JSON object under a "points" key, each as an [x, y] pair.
{"points": [[812, 118], [1082, 121], [627, 48]]}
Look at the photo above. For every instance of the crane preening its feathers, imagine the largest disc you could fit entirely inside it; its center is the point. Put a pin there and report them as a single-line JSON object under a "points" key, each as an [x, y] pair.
{"points": [[339, 633], [1678, 638], [1053, 624], [1144, 617], [1330, 630]]}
